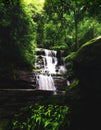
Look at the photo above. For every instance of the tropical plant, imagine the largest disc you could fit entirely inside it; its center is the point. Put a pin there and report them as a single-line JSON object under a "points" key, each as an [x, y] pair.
{"points": [[38, 117]]}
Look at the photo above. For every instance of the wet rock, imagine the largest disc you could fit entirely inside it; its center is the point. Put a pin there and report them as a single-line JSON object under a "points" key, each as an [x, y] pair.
{"points": [[60, 82], [23, 80]]}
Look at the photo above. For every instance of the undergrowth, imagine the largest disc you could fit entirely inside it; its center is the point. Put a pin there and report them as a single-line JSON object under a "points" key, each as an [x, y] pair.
{"points": [[41, 117]]}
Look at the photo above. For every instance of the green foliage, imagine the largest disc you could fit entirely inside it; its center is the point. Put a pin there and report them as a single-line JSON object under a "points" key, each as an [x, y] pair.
{"points": [[69, 60], [70, 56], [17, 37], [73, 23], [38, 117], [56, 17], [50, 33], [73, 84], [90, 29], [37, 11]]}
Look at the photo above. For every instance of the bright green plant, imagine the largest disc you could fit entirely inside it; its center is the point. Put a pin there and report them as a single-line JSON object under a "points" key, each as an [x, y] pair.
{"points": [[38, 117]]}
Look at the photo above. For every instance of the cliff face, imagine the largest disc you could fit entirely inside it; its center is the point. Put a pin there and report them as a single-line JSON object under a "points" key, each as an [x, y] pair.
{"points": [[87, 68]]}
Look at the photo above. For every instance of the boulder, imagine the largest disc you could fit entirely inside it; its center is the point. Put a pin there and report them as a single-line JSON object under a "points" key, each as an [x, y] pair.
{"points": [[87, 64], [86, 112]]}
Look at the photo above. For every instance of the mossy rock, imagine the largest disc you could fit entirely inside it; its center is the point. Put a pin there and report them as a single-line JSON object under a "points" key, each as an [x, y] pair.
{"points": [[90, 53], [87, 64], [86, 111]]}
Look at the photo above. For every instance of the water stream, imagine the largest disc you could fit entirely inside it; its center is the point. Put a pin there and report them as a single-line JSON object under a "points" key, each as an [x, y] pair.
{"points": [[45, 82], [49, 64]]}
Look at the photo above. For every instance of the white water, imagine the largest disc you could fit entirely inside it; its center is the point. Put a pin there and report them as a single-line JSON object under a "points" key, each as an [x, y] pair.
{"points": [[48, 65], [50, 62], [45, 82]]}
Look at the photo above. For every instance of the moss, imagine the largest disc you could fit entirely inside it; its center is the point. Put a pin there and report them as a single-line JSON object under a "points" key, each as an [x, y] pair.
{"points": [[91, 41], [70, 56]]}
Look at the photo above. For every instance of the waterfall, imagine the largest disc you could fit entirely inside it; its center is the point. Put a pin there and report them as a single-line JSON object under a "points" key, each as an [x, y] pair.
{"points": [[50, 61], [45, 82], [48, 65]]}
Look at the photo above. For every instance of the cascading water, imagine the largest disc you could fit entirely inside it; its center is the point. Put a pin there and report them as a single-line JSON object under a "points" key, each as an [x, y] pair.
{"points": [[50, 61], [45, 82], [48, 66]]}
